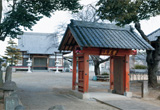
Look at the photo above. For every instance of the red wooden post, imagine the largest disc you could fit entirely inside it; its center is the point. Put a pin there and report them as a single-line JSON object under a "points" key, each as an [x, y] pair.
{"points": [[86, 72], [74, 70], [126, 74], [111, 73]]}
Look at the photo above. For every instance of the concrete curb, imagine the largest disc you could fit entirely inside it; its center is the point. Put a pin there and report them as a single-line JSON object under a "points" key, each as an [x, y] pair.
{"points": [[111, 107], [79, 94]]}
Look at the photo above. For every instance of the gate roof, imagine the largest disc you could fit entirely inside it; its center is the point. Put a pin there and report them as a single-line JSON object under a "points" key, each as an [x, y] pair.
{"points": [[89, 34]]}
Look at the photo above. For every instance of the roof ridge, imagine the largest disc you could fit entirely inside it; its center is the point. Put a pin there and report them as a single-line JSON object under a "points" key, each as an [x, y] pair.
{"points": [[102, 35], [98, 25], [37, 33], [153, 32]]}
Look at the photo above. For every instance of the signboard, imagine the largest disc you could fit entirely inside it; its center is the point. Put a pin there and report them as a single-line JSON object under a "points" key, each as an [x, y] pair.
{"points": [[110, 52]]}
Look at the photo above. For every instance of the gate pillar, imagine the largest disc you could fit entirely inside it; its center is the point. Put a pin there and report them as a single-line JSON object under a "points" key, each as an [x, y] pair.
{"points": [[111, 73], [126, 74], [86, 72], [83, 72], [74, 70]]}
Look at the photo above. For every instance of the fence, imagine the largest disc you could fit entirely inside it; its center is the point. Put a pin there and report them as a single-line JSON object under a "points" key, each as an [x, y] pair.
{"points": [[140, 74]]}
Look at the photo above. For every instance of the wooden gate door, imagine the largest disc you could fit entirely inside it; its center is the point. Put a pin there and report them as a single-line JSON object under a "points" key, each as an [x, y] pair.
{"points": [[119, 75], [40, 63], [81, 73]]}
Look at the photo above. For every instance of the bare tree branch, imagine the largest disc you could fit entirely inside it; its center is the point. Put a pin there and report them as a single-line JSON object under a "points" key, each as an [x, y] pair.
{"points": [[138, 27], [107, 59], [53, 38], [97, 58], [67, 59]]}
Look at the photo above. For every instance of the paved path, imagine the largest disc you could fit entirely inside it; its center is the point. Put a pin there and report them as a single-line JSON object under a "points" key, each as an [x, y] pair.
{"points": [[40, 91], [122, 102]]}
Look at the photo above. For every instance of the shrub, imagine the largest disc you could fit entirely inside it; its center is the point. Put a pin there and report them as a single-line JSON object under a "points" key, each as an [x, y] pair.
{"points": [[105, 73], [140, 67]]}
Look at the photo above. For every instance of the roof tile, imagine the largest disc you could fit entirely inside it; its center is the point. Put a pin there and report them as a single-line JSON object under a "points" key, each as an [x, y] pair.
{"points": [[89, 34]]}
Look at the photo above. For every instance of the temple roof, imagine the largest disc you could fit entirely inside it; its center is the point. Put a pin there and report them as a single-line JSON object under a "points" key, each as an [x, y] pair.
{"points": [[38, 43], [154, 35], [101, 35]]}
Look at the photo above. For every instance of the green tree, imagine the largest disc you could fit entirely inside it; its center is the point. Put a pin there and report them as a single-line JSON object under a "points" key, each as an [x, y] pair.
{"points": [[133, 11], [26, 13], [13, 54]]}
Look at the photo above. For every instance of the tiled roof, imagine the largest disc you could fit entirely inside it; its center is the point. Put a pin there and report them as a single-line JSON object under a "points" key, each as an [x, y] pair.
{"points": [[153, 36], [89, 34], [38, 43]]}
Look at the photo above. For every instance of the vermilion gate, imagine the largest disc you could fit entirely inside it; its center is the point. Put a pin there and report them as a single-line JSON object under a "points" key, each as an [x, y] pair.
{"points": [[119, 68], [101, 39]]}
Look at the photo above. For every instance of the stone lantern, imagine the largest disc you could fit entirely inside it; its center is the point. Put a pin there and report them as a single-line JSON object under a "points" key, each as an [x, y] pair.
{"points": [[29, 65], [57, 64]]}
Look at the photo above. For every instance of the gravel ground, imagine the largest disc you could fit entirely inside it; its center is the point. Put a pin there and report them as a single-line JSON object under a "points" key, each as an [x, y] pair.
{"points": [[41, 90]]}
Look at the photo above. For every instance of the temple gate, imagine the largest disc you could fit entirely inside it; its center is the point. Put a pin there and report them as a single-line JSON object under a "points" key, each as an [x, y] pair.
{"points": [[87, 38]]}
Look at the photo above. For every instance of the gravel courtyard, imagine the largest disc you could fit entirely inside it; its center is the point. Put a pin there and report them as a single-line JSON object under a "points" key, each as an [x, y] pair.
{"points": [[42, 90]]}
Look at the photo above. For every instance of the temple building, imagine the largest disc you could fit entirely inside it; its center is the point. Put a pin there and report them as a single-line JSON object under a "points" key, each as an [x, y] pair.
{"points": [[42, 49]]}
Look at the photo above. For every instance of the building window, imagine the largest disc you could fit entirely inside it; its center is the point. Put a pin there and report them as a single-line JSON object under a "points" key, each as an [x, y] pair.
{"points": [[25, 61], [51, 62]]}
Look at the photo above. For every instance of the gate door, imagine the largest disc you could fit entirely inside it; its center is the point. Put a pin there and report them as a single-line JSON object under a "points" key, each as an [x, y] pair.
{"points": [[40, 64], [118, 75], [81, 73]]}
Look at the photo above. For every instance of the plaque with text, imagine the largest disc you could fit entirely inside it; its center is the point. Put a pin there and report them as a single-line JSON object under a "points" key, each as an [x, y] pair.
{"points": [[110, 52]]}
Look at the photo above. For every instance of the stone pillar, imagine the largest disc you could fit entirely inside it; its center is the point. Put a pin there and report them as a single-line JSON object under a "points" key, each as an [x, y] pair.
{"points": [[8, 75], [144, 89]]}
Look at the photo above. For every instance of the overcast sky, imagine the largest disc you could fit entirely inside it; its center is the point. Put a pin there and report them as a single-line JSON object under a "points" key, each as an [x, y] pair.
{"points": [[49, 25]]}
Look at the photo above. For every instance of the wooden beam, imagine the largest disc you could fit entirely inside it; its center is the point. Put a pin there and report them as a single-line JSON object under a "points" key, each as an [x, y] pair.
{"points": [[70, 45], [40, 56], [74, 71], [66, 44], [109, 52], [75, 44], [71, 48], [70, 40], [68, 34], [91, 51], [64, 39]]}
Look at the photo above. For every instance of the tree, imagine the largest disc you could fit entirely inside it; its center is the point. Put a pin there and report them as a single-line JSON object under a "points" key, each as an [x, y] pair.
{"points": [[13, 54], [25, 13], [133, 11], [88, 13], [53, 38], [0, 10]]}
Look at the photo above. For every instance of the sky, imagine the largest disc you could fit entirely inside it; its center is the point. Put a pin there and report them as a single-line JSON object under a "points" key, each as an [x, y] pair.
{"points": [[50, 25]]}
